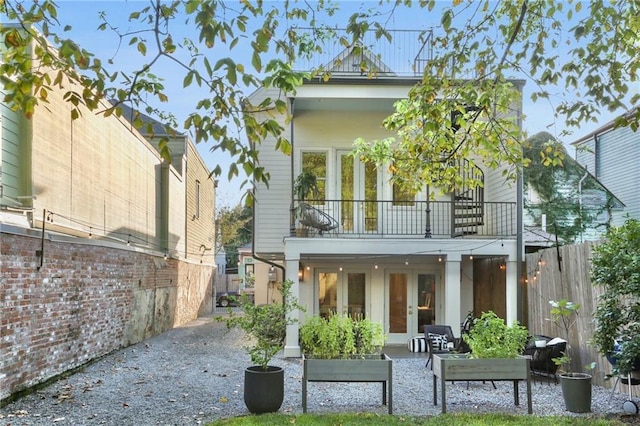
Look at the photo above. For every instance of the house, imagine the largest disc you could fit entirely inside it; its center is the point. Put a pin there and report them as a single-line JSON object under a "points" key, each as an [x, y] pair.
{"points": [[611, 155], [565, 199], [102, 242], [366, 248]]}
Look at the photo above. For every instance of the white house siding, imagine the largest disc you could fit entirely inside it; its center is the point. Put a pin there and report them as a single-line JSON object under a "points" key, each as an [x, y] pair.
{"points": [[272, 211], [585, 155], [618, 157]]}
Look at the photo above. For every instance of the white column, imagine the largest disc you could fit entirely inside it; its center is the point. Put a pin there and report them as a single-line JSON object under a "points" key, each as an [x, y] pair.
{"points": [[512, 291], [291, 345], [452, 292]]}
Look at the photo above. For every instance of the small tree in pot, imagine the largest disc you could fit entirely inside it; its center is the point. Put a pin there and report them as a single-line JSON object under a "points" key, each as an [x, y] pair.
{"points": [[266, 327], [576, 387]]}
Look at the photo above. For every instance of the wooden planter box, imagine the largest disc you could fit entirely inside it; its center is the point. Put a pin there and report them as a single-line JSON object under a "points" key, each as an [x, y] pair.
{"points": [[368, 368], [459, 367]]}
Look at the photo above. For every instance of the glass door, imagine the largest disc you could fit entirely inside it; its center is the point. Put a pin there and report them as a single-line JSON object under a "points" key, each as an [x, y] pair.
{"points": [[358, 188], [342, 292], [411, 304]]}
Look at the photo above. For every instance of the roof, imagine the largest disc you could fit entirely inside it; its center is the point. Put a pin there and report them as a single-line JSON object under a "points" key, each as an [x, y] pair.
{"points": [[606, 127], [536, 236]]}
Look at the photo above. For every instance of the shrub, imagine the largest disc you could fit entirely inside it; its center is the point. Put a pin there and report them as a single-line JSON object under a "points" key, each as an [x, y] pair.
{"points": [[339, 336], [490, 337]]}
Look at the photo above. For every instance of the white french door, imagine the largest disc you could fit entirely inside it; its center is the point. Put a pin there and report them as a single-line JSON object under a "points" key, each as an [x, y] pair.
{"points": [[411, 300], [358, 188], [343, 292]]}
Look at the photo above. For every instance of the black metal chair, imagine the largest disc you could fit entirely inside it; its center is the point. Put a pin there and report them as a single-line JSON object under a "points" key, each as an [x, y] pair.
{"points": [[432, 330], [542, 363], [312, 217]]}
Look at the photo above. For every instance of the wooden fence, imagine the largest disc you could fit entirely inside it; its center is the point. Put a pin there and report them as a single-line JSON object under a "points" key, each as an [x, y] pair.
{"points": [[564, 273]]}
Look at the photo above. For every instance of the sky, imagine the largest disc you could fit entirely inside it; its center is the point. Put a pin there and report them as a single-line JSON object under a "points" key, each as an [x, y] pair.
{"points": [[83, 17]]}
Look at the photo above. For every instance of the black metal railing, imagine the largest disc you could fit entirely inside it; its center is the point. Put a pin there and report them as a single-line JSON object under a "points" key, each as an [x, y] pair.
{"points": [[415, 219], [402, 53]]}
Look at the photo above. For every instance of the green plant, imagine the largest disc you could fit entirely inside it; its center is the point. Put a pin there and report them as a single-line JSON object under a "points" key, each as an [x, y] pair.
{"points": [[305, 185], [339, 336], [265, 324], [491, 337], [616, 268]]}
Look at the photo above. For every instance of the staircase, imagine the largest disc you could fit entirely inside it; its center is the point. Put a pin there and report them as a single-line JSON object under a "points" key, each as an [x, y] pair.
{"points": [[468, 204]]}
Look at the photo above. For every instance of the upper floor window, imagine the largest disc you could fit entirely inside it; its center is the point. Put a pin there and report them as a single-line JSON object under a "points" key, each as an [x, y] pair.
{"points": [[196, 215], [403, 194], [316, 163]]}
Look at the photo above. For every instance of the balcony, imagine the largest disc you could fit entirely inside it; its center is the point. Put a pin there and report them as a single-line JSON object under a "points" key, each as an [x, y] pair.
{"points": [[392, 219], [404, 53]]}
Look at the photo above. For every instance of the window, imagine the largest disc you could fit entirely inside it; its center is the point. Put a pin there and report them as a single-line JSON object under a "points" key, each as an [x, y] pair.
{"points": [[196, 215], [316, 162], [403, 194]]}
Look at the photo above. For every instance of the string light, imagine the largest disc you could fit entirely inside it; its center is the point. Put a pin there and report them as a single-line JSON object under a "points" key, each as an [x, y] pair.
{"points": [[375, 266], [406, 262], [340, 268]]}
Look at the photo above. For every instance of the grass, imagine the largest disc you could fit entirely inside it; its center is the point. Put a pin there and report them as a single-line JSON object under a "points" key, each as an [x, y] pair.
{"points": [[457, 419]]}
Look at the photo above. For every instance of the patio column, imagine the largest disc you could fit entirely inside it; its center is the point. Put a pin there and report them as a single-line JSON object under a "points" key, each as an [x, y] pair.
{"points": [[512, 290], [452, 292], [291, 345]]}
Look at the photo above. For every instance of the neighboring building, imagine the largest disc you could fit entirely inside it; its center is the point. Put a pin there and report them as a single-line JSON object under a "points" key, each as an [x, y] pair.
{"points": [[611, 155], [103, 244], [564, 199], [403, 263]]}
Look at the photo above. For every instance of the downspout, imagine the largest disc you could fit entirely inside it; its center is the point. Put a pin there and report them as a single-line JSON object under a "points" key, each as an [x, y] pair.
{"points": [[253, 243]]}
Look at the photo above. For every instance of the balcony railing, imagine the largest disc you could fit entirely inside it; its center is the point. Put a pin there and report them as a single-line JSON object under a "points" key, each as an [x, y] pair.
{"points": [[416, 219], [403, 53]]}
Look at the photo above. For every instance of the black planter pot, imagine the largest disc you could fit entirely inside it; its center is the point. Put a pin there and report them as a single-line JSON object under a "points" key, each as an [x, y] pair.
{"points": [[576, 391], [263, 389]]}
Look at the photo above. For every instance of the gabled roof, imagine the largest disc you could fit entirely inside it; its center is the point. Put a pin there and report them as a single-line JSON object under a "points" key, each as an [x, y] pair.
{"points": [[357, 60]]}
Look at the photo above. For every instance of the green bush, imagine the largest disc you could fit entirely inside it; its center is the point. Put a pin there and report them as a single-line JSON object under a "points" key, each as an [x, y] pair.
{"points": [[616, 268], [491, 337]]}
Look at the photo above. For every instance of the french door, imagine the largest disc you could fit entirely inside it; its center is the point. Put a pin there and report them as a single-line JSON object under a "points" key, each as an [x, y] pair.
{"points": [[410, 297], [358, 188], [344, 292]]}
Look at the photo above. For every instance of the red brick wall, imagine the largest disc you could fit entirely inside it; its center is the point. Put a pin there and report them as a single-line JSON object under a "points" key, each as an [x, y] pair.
{"points": [[86, 301]]}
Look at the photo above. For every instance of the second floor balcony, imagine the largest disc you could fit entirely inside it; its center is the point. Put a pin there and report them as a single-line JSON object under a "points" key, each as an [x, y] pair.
{"points": [[392, 219]]}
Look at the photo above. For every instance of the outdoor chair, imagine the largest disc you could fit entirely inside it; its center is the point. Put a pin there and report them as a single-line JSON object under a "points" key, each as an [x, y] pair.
{"points": [[542, 363], [312, 217], [435, 336]]}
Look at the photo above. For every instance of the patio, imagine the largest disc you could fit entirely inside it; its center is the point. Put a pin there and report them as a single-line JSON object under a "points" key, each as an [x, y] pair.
{"points": [[195, 373]]}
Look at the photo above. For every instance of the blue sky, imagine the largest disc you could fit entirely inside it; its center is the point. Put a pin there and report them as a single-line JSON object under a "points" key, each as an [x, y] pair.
{"points": [[83, 16]]}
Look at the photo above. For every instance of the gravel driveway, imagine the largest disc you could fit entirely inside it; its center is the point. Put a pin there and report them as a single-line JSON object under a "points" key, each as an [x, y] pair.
{"points": [[194, 375]]}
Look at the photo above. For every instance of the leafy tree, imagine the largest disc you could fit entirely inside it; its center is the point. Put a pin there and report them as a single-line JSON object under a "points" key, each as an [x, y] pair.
{"points": [[580, 61], [235, 227], [615, 266]]}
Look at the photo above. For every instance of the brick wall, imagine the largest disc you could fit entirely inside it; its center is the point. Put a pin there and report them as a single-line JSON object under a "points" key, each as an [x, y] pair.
{"points": [[87, 300]]}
